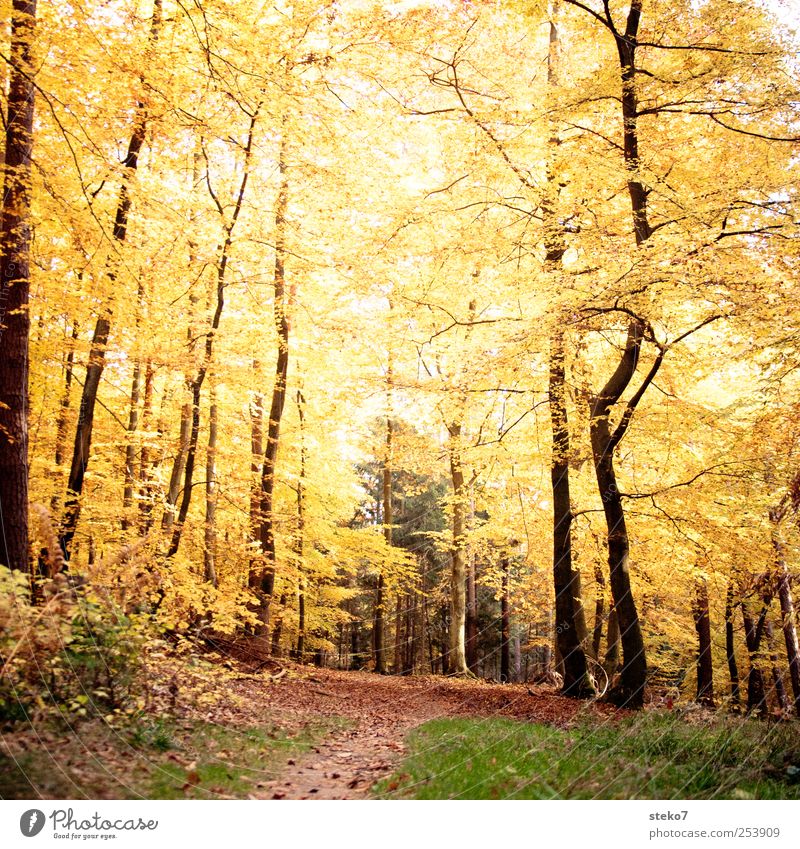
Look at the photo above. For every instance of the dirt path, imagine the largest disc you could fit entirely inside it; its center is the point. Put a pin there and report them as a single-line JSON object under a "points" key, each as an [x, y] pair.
{"points": [[380, 711]]}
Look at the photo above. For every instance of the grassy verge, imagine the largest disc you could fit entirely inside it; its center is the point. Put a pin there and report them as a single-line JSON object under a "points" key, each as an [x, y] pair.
{"points": [[153, 760], [650, 756]]}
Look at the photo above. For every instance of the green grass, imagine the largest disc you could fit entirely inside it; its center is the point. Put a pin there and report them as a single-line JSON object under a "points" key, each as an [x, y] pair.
{"points": [[649, 756], [161, 759]]}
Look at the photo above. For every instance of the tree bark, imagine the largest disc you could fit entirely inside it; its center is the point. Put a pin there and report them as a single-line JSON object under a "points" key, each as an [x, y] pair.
{"points": [[599, 611], [210, 548], [573, 660], [266, 536], [702, 624], [756, 691], [505, 625], [457, 661], [15, 241], [471, 634], [62, 422], [730, 650], [788, 617], [630, 689], [777, 677], [299, 548]]}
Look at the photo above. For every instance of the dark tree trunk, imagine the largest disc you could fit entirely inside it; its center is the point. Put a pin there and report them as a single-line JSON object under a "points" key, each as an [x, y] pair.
{"points": [[630, 689], [505, 625], [62, 422], [702, 624], [81, 451], [210, 547], [756, 691], [147, 461], [788, 618], [266, 581], [611, 660], [777, 677], [15, 241], [379, 622], [178, 466], [130, 475], [573, 659], [299, 546], [599, 611], [730, 650]]}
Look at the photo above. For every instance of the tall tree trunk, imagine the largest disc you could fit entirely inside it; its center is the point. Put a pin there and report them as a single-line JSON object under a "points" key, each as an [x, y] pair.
{"points": [[599, 610], [788, 618], [730, 650], [777, 677], [702, 624], [505, 625], [576, 681], [299, 547], [611, 660], [756, 691], [147, 459], [15, 241], [130, 475], [471, 625], [629, 691], [62, 423], [573, 660], [457, 662], [81, 451], [266, 581], [210, 549], [208, 350], [178, 466], [379, 620]]}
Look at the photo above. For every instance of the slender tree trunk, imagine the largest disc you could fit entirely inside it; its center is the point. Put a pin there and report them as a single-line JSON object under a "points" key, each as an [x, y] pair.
{"points": [[178, 466], [599, 611], [15, 241], [505, 625], [210, 549], [702, 624], [611, 660], [788, 618], [147, 461], [266, 534], [81, 451], [379, 621], [730, 650], [457, 660], [777, 677], [130, 447], [471, 625], [208, 351], [569, 648], [62, 423], [299, 547], [629, 691], [756, 691]]}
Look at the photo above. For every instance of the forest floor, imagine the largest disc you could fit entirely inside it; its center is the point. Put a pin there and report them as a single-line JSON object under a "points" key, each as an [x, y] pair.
{"points": [[380, 711], [218, 730], [225, 729]]}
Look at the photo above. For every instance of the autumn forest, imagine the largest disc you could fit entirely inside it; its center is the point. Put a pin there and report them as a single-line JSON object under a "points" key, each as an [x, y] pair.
{"points": [[446, 345]]}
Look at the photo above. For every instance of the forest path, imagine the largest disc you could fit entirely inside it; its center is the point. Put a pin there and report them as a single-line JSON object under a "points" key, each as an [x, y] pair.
{"points": [[380, 711]]}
